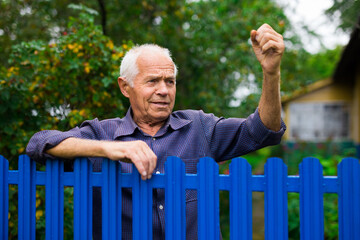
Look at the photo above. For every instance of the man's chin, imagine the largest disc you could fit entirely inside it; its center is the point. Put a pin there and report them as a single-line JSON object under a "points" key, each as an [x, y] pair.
{"points": [[162, 115]]}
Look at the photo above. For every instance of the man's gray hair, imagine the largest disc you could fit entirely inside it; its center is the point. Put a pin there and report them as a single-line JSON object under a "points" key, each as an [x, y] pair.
{"points": [[129, 68]]}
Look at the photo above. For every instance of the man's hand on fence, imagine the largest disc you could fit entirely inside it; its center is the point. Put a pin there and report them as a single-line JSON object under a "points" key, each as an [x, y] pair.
{"points": [[137, 152]]}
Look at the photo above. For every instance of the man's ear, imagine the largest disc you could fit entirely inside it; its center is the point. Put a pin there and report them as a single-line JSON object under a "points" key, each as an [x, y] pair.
{"points": [[124, 86]]}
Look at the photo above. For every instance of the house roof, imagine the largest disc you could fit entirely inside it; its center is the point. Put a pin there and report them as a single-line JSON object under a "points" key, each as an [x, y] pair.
{"points": [[307, 89], [345, 71], [350, 59]]}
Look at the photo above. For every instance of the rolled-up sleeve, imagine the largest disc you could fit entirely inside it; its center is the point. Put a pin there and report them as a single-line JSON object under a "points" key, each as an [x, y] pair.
{"points": [[260, 133], [233, 137], [44, 140]]}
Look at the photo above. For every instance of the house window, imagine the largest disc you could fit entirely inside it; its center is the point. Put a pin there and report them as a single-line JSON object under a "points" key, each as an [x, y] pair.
{"points": [[319, 121]]}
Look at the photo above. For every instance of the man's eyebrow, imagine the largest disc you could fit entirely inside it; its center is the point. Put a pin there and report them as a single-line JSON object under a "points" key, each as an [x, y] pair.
{"points": [[152, 77], [158, 77]]}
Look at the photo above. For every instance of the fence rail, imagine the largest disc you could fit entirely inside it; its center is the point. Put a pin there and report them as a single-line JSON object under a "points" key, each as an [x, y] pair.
{"points": [[275, 183]]}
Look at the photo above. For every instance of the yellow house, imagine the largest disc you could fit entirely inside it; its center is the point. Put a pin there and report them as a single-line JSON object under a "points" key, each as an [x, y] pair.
{"points": [[329, 109]]}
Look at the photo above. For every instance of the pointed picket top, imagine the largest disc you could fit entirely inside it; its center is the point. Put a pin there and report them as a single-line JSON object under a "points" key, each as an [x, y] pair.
{"points": [[349, 198], [240, 199], [4, 202], [276, 209]]}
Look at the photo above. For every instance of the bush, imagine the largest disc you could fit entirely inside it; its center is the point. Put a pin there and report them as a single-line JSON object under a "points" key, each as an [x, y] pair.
{"points": [[57, 85]]}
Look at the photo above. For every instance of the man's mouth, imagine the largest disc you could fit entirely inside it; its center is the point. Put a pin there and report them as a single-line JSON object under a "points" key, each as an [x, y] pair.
{"points": [[161, 104]]}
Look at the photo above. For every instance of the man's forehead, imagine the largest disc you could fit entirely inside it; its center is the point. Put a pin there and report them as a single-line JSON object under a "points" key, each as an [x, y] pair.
{"points": [[150, 59]]}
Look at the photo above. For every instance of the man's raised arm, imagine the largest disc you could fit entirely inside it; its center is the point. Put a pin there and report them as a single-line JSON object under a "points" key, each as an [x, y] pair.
{"points": [[269, 47]]}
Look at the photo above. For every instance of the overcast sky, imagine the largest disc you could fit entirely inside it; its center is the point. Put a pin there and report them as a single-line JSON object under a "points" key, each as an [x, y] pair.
{"points": [[311, 13]]}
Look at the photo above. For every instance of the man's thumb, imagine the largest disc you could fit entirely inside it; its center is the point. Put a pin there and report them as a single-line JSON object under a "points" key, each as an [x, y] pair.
{"points": [[253, 37]]}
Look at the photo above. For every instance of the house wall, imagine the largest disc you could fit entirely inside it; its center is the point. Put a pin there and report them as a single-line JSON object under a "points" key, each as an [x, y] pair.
{"points": [[335, 92]]}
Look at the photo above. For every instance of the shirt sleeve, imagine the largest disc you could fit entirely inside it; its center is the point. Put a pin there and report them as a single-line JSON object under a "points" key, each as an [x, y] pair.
{"points": [[233, 137], [44, 140]]}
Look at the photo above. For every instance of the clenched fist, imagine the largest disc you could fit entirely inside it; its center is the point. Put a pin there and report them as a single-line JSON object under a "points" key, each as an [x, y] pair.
{"points": [[269, 47]]}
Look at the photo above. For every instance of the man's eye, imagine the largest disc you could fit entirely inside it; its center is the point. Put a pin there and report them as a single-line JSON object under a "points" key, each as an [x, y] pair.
{"points": [[172, 82]]}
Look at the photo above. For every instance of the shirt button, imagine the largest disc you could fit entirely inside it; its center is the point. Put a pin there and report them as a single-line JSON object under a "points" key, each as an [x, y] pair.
{"points": [[157, 172], [161, 207], [153, 138]]}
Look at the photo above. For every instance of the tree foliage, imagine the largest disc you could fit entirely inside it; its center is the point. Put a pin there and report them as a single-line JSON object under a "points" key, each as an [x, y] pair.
{"points": [[58, 68], [348, 11], [77, 71], [27, 20], [59, 85]]}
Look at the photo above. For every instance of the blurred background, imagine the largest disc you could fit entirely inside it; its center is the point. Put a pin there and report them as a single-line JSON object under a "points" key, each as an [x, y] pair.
{"points": [[59, 62]]}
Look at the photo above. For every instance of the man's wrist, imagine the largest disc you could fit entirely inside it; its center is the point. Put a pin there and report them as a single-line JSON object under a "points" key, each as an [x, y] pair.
{"points": [[101, 149], [271, 74]]}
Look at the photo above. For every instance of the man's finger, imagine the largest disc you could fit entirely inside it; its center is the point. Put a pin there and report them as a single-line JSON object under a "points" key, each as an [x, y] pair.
{"points": [[140, 167], [265, 27], [253, 35], [276, 46], [266, 37], [151, 160]]}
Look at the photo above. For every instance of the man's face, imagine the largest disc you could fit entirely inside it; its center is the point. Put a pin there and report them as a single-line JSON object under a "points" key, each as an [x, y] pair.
{"points": [[152, 96]]}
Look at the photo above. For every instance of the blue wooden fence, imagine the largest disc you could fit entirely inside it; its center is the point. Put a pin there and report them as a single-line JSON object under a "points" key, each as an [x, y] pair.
{"points": [[275, 183]]}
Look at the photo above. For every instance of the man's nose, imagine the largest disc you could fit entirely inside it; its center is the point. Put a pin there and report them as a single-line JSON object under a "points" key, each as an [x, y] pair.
{"points": [[162, 89]]}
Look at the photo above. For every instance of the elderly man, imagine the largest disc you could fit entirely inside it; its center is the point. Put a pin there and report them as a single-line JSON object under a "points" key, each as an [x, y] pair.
{"points": [[151, 131]]}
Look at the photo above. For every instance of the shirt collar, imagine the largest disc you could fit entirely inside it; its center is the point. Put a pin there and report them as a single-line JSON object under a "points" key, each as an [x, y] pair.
{"points": [[128, 126], [175, 122]]}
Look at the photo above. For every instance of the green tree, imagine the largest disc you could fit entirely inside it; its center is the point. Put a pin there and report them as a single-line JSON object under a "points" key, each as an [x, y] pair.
{"points": [[59, 85], [209, 39], [348, 11], [30, 20]]}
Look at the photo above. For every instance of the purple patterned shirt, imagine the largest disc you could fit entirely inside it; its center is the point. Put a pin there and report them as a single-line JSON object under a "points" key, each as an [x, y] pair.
{"points": [[187, 134]]}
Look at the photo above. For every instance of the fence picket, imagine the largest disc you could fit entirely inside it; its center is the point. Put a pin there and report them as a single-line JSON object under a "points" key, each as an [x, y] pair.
{"points": [[349, 199], [26, 198], [142, 207], [82, 199], [276, 211], [111, 200], [240, 183], [208, 199], [311, 199], [175, 199], [4, 198], [54, 200], [240, 199]]}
